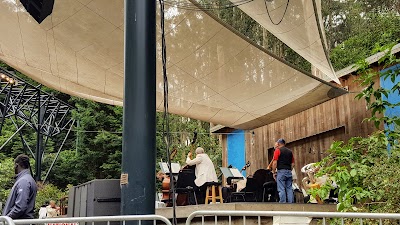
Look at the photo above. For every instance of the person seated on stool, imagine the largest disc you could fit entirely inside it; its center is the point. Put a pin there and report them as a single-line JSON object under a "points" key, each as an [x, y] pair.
{"points": [[204, 172]]}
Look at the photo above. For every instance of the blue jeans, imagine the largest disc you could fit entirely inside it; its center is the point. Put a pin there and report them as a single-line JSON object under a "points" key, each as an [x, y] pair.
{"points": [[284, 182]]}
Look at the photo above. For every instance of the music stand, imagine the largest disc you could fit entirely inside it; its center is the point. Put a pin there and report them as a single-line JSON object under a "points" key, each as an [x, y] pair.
{"points": [[231, 174], [176, 167]]}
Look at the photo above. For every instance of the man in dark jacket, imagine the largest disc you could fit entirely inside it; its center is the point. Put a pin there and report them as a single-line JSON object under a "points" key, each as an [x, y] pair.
{"points": [[283, 161], [21, 201]]}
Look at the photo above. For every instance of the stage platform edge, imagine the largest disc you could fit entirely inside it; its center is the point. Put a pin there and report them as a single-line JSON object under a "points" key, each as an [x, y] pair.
{"points": [[185, 211]]}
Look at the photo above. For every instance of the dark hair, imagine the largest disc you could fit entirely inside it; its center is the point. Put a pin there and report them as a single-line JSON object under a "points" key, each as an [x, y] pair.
{"points": [[23, 161], [282, 141]]}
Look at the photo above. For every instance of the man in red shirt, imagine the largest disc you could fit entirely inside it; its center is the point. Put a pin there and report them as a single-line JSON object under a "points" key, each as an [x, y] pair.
{"points": [[282, 165]]}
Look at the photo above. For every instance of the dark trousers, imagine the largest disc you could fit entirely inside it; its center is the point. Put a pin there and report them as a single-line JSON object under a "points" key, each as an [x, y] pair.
{"points": [[201, 194]]}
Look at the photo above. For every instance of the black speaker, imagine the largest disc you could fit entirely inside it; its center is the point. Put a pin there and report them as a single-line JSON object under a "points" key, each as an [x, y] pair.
{"points": [[39, 9], [95, 198]]}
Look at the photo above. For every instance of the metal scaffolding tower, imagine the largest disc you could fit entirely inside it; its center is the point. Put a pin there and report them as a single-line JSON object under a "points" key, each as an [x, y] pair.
{"points": [[29, 106]]}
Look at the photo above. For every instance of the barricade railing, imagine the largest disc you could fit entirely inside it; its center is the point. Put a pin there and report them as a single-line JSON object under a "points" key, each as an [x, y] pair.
{"points": [[93, 220], [323, 216], [7, 220]]}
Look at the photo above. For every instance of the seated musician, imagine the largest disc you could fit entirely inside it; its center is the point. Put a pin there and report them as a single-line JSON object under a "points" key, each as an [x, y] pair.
{"points": [[160, 175], [205, 171]]}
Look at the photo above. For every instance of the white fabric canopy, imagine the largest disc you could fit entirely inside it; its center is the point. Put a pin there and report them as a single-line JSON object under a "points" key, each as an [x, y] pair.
{"points": [[301, 28], [215, 74]]}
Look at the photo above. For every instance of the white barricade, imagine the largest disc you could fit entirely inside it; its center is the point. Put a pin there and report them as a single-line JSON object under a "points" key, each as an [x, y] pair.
{"points": [[374, 218]]}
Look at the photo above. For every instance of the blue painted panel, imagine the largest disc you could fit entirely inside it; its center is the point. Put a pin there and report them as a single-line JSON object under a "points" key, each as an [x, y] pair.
{"points": [[236, 149], [393, 97]]}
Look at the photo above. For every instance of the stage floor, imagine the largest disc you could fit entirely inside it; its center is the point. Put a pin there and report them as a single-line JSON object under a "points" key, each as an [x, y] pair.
{"points": [[185, 211]]}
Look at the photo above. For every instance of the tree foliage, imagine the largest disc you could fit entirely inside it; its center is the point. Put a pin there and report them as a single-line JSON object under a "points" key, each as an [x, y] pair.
{"points": [[46, 193], [6, 177], [255, 32], [354, 28], [365, 170]]}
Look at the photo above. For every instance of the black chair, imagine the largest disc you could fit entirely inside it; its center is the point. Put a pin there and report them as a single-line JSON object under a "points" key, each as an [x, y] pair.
{"points": [[248, 194], [186, 188], [270, 191], [262, 176], [186, 196]]}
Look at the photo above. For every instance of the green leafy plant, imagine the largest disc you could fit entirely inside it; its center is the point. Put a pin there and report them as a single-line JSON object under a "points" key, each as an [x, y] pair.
{"points": [[6, 177], [375, 96], [364, 170], [46, 193]]}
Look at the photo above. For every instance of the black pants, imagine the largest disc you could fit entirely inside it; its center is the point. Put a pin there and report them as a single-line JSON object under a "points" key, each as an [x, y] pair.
{"points": [[201, 194]]}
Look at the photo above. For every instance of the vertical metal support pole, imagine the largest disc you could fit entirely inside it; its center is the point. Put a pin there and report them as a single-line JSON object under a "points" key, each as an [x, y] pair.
{"points": [[39, 140], [138, 143], [5, 108], [77, 136]]}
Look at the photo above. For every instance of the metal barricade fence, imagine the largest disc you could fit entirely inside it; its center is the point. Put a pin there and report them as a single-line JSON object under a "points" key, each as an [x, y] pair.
{"points": [[93, 220], [7, 220], [324, 216]]}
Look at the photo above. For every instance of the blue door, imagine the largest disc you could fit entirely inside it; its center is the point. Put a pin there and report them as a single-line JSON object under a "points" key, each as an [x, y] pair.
{"points": [[236, 149]]}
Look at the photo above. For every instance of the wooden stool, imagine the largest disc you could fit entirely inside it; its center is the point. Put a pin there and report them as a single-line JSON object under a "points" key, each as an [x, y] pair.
{"points": [[211, 186]]}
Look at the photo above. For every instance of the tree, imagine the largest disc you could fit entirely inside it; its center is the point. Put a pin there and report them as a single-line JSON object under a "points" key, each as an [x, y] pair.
{"points": [[182, 134], [6, 177], [376, 98], [46, 193], [354, 28], [243, 23], [351, 166]]}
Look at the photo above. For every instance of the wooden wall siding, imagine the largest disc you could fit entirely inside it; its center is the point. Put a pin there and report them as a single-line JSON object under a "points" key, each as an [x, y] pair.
{"points": [[315, 128], [223, 141], [313, 149]]}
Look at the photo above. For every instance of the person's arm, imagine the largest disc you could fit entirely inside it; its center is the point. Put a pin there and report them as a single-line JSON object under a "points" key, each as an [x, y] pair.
{"points": [[292, 161], [277, 152], [269, 167], [21, 200], [194, 161], [274, 165]]}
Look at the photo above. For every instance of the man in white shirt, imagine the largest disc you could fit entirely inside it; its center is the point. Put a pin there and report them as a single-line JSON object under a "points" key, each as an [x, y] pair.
{"points": [[205, 171]]}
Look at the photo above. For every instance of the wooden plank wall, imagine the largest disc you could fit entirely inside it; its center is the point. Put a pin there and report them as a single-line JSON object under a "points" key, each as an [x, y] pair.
{"points": [[315, 129], [312, 149]]}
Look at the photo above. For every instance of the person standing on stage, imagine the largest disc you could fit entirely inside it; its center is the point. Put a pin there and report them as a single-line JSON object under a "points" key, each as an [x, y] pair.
{"points": [[282, 165]]}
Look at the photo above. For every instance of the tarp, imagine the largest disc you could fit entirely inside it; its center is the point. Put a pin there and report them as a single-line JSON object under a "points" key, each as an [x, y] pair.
{"points": [[215, 74], [299, 25]]}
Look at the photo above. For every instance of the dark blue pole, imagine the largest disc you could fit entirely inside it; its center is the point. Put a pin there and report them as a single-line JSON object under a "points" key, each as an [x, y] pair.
{"points": [[139, 121]]}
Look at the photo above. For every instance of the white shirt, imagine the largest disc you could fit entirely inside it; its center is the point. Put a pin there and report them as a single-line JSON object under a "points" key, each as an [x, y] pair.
{"points": [[42, 213], [205, 170]]}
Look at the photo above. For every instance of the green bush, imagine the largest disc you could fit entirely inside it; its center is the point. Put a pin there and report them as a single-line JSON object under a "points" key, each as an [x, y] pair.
{"points": [[366, 169], [6, 178], [366, 176], [47, 192]]}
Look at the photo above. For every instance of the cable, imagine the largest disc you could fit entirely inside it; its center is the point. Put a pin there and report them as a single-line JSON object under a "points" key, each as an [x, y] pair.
{"points": [[204, 7], [158, 132], [269, 15], [166, 128]]}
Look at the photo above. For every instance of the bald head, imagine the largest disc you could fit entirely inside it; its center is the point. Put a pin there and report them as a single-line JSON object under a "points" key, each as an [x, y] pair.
{"points": [[199, 150]]}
